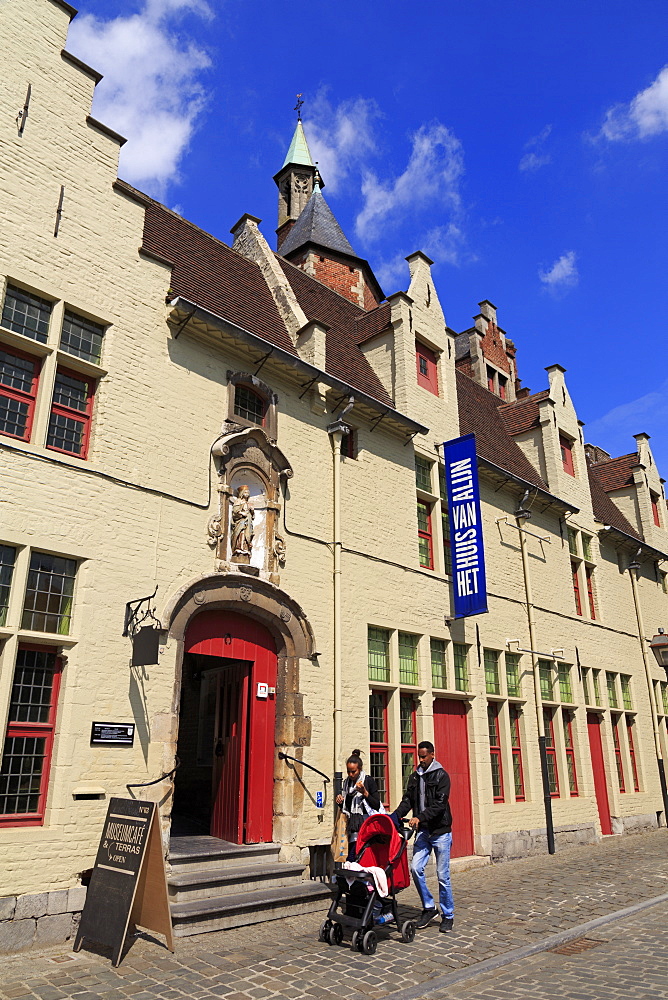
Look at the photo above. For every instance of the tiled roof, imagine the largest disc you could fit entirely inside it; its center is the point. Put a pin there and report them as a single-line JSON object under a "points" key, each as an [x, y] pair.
{"points": [[479, 414], [523, 414], [604, 509], [372, 322], [317, 224], [344, 358], [210, 273], [616, 473]]}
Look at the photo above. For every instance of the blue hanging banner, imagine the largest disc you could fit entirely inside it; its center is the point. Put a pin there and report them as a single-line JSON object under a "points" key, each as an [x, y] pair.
{"points": [[469, 580]]}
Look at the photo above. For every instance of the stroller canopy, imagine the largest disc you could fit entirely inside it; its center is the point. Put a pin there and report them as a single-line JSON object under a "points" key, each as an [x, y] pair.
{"points": [[384, 847]]}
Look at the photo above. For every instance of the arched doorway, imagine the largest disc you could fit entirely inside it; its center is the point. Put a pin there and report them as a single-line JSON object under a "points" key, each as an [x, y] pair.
{"points": [[226, 728]]}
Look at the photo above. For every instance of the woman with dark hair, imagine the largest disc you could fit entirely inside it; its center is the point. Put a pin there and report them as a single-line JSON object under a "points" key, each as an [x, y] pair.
{"points": [[359, 798]]}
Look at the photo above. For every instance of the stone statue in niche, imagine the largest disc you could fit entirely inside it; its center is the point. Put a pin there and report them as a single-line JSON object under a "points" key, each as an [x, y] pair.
{"points": [[242, 525]]}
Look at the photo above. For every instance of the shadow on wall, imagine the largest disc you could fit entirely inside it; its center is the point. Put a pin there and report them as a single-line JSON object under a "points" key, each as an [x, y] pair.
{"points": [[137, 695]]}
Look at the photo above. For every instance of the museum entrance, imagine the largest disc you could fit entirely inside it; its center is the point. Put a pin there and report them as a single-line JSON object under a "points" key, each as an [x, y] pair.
{"points": [[224, 785]]}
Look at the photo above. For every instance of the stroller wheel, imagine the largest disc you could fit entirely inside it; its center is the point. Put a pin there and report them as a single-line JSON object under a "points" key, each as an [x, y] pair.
{"points": [[408, 931], [335, 934], [323, 933], [356, 941], [369, 943]]}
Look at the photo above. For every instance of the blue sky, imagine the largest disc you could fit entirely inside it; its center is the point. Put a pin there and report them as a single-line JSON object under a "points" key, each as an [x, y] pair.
{"points": [[522, 145]]}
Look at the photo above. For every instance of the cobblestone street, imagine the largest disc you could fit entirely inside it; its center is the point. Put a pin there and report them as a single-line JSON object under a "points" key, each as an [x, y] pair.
{"points": [[498, 909]]}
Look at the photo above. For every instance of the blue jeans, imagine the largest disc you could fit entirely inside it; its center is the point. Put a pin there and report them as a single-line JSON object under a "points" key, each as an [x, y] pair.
{"points": [[424, 844]]}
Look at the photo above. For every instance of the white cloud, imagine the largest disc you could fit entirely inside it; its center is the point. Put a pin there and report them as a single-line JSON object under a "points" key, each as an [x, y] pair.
{"points": [[646, 413], [644, 116], [536, 157], [431, 180], [151, 92], [341, 138], [563, 274], [534, 161]]}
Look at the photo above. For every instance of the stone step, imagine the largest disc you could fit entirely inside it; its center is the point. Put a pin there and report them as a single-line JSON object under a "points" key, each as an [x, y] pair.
{"points": [[198, 853], [208, 882], [222, 912]]}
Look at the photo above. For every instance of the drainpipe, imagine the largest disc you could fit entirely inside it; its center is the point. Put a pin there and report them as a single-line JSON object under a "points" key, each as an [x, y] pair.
{"points": [[633, 574], [336, 431], [547, 798]]}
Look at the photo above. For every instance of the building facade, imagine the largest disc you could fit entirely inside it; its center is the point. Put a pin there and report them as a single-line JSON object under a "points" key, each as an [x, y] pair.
{"points": [[233, 456]]}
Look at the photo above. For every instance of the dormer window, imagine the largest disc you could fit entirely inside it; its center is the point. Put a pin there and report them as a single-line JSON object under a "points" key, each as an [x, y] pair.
{"points": [[249, 405], [567, 455], [655, 509], [427, 373], [503, 382]]}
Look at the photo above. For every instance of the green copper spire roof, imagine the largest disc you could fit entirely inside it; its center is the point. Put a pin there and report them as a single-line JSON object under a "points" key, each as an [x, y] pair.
{"points": [[299, 151]]}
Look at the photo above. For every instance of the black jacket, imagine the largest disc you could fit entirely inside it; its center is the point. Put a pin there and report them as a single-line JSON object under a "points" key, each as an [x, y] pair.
{"points": [[436, 817], [372, 800]]}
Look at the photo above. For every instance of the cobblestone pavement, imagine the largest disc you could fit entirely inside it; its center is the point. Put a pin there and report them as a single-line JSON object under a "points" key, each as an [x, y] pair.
{"points": [[498, 908], [626, 958]]}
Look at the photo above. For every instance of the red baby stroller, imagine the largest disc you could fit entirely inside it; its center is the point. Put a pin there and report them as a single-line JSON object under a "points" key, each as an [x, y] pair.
{"points": [[357, 904]]}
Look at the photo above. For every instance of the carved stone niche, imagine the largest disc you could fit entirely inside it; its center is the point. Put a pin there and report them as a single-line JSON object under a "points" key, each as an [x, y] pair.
{"points": [[248, 458]]}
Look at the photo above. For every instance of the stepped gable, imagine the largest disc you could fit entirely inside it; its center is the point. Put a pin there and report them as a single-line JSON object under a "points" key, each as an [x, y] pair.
{"points": [[317, 225], [208, 272], [479, 414], [373, 322], [616, 473], [604, 509], [524, 414], [344, 358]]}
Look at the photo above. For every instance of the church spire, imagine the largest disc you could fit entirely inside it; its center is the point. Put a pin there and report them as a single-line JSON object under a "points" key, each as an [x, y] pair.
{"points": [[295, 179]]}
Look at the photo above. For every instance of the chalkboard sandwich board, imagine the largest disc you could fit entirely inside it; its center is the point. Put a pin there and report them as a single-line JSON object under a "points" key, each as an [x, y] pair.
{"points": [[128, 886]]}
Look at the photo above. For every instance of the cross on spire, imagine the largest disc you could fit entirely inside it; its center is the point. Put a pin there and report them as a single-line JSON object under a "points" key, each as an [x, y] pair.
{"points": [[298, 107]]}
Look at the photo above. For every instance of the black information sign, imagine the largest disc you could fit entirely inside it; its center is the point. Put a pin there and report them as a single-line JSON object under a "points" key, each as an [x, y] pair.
{"points": [[119, 892], [104, 734]]}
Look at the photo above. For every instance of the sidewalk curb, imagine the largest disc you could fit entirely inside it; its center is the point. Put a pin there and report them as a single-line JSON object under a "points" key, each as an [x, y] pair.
{"points": [[423, 990]]}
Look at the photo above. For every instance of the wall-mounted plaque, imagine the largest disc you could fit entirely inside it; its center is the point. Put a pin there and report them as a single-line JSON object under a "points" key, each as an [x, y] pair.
{"points": [[119, 734], [128, 885]]}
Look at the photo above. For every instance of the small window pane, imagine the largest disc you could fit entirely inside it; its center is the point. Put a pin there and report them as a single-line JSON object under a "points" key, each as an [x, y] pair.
{"points": [[460, 653], [33, 684], [248, 404], [378, 654], [27, 314], [565, 690], [492, 684], [16, 372], [423, 474], [626, 691], [21, 774], [513, 674], [377, 732], [586, 546], [407, 718], [66, 434], [612, 690], [546, 681], [7, 558], [81, 337], [573, 542], [597, 687], [439, 676], [48, 601], [378, 770], [408, 661], [71, 392]]}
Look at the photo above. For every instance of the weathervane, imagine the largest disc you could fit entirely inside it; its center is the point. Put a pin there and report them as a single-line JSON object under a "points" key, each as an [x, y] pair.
{"points": [[298, 107]]}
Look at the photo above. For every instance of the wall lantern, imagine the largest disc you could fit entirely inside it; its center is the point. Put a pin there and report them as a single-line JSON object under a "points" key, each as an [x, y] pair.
{"points": [[145, 630], [659, 646]]}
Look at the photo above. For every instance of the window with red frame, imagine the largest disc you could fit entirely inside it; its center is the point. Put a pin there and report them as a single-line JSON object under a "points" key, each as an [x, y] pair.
{"points": [[503, 382], [632, 753], [576, 587], [24, 771], [71, 411], [567, 719], [19, 377], [425, 545], [614, 719], [427, 371], [589, 573], [378, 739], [567, 455], [495, 751], [516, 747], [349, 443], [408, 723], [551, 753], [655, 510], [490, 379]]}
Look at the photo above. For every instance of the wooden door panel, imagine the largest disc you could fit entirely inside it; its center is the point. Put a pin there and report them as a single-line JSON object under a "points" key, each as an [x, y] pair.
{"points": [[598, 768], [452, 751]]}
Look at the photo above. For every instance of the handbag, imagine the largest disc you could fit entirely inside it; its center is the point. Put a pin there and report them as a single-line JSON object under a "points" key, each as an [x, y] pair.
{"points": [[339, 846]]}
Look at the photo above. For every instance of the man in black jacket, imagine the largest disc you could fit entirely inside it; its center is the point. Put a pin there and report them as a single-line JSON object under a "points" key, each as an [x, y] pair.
{"points": [[427, 795]]}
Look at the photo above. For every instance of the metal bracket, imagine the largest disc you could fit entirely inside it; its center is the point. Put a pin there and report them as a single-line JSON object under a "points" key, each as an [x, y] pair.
{"points": [[409, 438], [307, 386], [378, 420], [265, 357], [541, 538], [183, 324], [135, 616]]}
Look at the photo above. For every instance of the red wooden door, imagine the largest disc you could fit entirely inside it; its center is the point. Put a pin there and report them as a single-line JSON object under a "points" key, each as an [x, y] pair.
{"points": [[243, 801], [598, 767], [452, 751]]}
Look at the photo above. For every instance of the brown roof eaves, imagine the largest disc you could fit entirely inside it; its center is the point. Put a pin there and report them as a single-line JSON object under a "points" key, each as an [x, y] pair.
{"points": [[524, 414], [616, 473]]}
